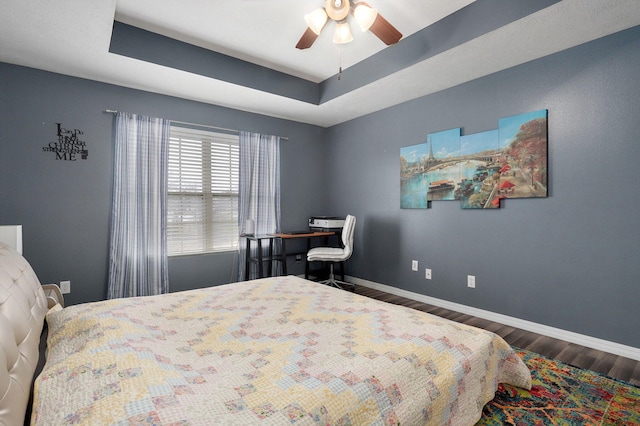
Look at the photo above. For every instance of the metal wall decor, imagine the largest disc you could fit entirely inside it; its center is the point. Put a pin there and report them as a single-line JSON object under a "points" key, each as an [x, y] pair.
{"points": [[479, 169], [68, 146]]}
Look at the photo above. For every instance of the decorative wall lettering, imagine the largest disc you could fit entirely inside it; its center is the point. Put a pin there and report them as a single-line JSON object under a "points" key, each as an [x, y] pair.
{"points": [[479, 169], [68, 146]]}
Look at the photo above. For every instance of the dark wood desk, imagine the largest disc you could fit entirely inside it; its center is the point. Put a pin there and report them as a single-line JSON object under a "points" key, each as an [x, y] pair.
{"points": [[271, 257]]}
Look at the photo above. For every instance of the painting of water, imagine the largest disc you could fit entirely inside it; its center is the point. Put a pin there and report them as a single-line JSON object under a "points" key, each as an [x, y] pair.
{"points": [[479, 169]]}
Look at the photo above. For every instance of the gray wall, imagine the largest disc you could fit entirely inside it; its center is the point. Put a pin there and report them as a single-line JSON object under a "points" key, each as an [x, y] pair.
{"points": [[569, 261], [64, 206]]}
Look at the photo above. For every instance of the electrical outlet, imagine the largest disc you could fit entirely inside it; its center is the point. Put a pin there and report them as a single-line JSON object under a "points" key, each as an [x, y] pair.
{"points": [[65, 287], [471, 281], [414, 265], [427, 274], [298, 258]]}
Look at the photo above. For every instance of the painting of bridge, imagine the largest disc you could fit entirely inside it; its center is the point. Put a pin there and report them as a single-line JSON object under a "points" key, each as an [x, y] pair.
{"points": [[480, 169]]}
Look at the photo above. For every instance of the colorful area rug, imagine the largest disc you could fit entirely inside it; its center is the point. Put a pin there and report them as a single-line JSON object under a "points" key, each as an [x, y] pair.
{"points": [[563, 395]]}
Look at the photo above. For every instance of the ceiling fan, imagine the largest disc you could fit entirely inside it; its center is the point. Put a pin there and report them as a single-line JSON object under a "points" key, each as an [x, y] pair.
{"points": [[367, 18]]}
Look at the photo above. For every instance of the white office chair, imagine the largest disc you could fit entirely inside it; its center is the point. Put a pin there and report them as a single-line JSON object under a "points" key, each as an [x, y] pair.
{"points": [[336, 254]]}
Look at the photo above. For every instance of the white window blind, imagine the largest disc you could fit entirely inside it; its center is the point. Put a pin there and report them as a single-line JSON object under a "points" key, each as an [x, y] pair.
{"points": [[202, 192]]}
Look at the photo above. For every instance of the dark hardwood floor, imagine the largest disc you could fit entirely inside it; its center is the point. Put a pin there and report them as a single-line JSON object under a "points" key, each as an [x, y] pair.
{"points": [[580, 356]]}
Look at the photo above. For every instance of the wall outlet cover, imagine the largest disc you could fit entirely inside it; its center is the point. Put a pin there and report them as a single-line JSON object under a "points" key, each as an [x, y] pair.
{"points": [[471, 281]]}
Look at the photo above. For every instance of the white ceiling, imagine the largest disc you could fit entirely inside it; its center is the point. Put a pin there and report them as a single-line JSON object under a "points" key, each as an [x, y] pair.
{"points": [[72, 37], [265, 31]]}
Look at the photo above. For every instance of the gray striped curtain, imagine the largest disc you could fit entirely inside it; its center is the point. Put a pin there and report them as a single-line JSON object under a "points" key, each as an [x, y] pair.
{"points": [[259, 189], [138, 264]]}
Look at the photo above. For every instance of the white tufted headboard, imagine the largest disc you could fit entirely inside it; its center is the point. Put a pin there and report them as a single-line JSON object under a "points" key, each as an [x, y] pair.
{"points": [[23, 306]]}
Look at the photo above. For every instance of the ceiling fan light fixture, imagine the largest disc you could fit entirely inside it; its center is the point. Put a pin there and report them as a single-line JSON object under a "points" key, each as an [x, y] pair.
{"points": [[365, 16], [337, 9], [316, 20], [342, 34]]}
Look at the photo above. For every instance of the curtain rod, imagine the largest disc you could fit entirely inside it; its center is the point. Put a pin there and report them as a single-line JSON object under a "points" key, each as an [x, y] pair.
{"points": [[111, 111]]}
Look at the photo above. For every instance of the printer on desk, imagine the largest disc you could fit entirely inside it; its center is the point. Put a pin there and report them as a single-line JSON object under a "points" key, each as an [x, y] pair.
{"points": [[326, 223]]}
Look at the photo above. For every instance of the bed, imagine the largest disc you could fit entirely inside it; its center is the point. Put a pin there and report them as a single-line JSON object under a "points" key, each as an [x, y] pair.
{"points": [[279, 350]]}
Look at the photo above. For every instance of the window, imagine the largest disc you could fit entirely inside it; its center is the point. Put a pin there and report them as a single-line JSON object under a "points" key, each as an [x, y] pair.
{"points": [[202, 204]]}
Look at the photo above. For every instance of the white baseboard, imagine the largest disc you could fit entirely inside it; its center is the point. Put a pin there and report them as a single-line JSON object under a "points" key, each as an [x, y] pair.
{"points": [[556, 333]]}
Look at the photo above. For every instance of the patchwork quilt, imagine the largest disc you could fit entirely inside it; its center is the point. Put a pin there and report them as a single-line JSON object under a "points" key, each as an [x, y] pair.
{"points": [[276, 351]]}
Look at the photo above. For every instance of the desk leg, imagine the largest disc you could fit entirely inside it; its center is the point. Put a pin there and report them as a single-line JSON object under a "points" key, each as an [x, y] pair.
{"points": [[260, 272], [283, 256], [247, 259], [270, 260], [306, 262]]}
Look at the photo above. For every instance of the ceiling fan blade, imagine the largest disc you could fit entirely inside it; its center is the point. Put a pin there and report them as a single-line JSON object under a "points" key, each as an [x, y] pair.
{"points": [[385, 31], [307, 39]]}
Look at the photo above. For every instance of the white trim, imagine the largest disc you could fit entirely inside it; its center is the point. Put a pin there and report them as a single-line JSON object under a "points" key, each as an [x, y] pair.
{"points": [[12, 235], [556, 333]]}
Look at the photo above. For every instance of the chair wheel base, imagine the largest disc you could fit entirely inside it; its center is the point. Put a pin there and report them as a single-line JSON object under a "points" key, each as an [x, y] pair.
{"points": [[338, 284]]}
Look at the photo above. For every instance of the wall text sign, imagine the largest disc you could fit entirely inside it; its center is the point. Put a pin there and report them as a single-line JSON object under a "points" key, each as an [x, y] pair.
{"points": [[68, 146]]}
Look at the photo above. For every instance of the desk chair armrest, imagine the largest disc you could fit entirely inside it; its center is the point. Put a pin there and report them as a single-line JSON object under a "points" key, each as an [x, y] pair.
{"points": [[54, 295]]}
